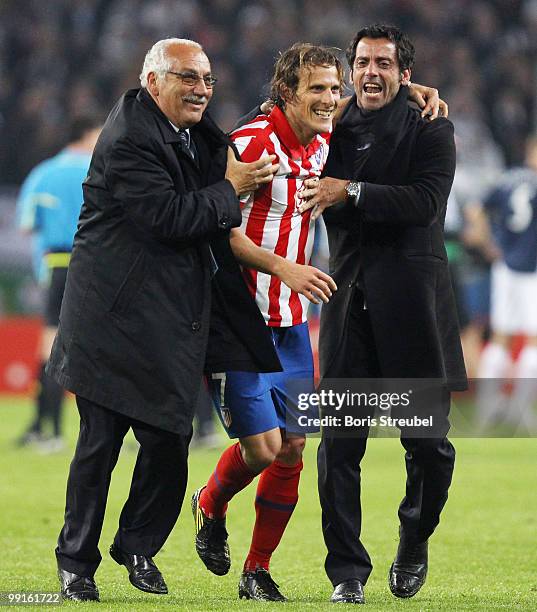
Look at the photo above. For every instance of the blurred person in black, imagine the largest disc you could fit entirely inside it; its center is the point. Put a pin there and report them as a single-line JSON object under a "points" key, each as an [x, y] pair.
{"points": [[388, 176], [134, 324], [49, 206]]}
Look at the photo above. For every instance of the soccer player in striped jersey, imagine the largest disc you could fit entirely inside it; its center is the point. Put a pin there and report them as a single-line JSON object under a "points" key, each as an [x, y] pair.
{"points": [[274, 245]]}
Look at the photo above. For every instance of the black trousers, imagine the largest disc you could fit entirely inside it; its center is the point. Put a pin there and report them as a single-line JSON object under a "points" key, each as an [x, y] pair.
{"points": [[429, 467], [156, 494]]}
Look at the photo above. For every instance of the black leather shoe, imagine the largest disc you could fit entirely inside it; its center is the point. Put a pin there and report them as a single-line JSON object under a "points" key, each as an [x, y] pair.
{"points": [[409, 570], [259, 586], [77, 588], [349, 591], [143, 573], [211, 539]]}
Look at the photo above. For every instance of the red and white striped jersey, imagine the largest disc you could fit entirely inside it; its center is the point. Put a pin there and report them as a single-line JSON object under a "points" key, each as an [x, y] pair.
{"points": [[269, 215]]}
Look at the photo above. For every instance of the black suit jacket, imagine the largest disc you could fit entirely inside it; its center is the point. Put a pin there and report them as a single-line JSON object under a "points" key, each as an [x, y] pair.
{"points": [[134, 323], [392, 244]]}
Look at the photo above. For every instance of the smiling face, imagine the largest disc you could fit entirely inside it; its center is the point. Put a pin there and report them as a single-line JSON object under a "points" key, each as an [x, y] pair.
{"points": [[376, 74], [182, 104], [311, 110]]}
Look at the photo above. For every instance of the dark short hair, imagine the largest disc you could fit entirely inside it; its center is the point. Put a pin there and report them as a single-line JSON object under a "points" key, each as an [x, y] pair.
{"points": [[288, 65], [405, 49], [81, 123]]}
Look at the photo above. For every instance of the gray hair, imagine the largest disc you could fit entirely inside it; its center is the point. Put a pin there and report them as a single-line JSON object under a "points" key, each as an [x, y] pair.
{"points": [[157, 60]]}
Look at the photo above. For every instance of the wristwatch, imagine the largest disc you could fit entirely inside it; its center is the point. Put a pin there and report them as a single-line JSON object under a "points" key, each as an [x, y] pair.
{"points": [[353, 189]]}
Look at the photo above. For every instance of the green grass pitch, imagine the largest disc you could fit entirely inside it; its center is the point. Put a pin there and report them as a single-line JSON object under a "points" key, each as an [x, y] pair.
{"points": [[483, 556]]}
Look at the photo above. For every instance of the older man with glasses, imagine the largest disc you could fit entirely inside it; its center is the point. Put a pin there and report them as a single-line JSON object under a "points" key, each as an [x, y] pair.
{"points": [[134, 324]]}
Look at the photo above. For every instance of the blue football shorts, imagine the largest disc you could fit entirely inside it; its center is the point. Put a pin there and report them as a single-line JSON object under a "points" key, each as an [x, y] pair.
{"points": [[250, 403]]}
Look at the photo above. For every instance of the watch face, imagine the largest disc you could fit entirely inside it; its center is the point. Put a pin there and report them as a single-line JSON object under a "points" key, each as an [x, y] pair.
{"points": [[353, 189]]}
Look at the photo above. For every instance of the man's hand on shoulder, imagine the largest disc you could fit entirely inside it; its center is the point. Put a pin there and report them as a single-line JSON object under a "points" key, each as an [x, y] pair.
{"points": [[429, 101], [266, 107], [247, 177]]}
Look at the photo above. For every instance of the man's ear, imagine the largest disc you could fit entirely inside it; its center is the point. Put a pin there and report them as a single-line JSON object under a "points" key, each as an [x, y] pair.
{"points": [[286, 94], [152, 84], [405, 77]]}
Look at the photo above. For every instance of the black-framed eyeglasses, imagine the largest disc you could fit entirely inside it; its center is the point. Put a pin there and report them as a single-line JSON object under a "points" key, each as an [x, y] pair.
{"points": [[191, 78]]}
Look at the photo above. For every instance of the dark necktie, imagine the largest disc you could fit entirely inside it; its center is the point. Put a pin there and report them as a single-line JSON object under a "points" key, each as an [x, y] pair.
{"points": [[187, 148], [185, 142]]}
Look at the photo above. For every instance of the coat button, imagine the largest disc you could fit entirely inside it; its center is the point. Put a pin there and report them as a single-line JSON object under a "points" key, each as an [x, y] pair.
{"points": [[196, 325], [224, 222]]}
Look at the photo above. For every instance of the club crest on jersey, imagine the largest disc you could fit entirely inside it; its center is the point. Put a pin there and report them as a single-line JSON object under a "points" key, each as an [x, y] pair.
{"points": [[319, 155]]}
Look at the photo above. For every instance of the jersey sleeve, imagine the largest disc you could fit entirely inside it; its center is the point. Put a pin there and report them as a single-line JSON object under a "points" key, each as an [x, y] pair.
{"points": [[252, 144], [33, 197]]}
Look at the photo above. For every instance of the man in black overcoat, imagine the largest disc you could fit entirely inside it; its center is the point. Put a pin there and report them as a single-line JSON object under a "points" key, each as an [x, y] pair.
{"points": [[388, 177], [135, 317]]}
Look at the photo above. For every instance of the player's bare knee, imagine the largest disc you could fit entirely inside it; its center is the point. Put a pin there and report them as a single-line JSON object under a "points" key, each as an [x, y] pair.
{"points": [[292, 450], [259, 458], [260, 451]]}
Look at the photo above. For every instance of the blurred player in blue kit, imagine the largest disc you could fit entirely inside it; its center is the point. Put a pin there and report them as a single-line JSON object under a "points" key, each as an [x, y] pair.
{"points": [[512, 211], [48, 207]]}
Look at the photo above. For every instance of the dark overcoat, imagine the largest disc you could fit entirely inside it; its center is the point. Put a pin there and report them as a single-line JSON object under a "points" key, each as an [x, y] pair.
{"points": [[392, 243], [134, 322]]}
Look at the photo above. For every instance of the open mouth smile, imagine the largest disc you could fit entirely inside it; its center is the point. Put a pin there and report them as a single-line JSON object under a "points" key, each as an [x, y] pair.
{"points": [[325, 114], [372, 89]]}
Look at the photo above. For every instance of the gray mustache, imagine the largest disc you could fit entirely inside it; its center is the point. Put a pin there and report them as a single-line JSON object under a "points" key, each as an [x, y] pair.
{"points": [[195, 99]]}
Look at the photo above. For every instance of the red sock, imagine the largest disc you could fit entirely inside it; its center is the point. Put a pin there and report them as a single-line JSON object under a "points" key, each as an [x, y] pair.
{"points": [[277, 495], [230, 476]]}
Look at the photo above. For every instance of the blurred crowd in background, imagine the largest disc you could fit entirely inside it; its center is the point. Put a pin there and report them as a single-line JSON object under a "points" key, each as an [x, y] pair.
{"points": [[60, 57]]}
